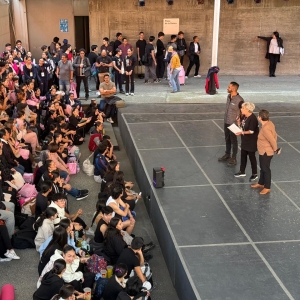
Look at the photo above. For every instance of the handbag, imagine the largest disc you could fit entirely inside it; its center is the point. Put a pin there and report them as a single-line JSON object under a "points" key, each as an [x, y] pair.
{"points": [[72, 167], [28, 191], [88, 167]]}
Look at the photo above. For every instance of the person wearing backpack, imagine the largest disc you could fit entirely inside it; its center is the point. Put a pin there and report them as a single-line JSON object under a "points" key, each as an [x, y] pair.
{"points": [[100, 162], [97, 137], [150, 61]]}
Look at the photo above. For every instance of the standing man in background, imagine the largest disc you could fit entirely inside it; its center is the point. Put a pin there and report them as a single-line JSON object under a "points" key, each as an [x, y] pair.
{"points": [[64, 73], [194, 53], [232, 113], [140, 49], [160, 54], [181, 46]]}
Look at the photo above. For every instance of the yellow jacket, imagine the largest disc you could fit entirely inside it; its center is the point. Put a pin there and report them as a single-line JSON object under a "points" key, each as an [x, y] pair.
{"points": [[175, 61]]}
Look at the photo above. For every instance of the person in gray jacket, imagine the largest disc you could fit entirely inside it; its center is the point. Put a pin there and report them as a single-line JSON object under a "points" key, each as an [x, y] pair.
{"points": [[82, 69], [232, 112]]}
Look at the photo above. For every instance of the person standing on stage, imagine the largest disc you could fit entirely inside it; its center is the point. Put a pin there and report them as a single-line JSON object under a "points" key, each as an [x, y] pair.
{"points": [[232, 112], [249, 125], [267, 147]]}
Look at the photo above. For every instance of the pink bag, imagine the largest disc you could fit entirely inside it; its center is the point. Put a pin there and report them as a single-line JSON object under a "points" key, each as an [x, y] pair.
{"points": [[73, 89], [24, 153], [28, 177], [72, 167], [28, 190]]}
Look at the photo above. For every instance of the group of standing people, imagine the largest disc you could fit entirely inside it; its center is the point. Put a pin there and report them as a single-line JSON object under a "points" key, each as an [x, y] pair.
{"points": [[252, 139]]}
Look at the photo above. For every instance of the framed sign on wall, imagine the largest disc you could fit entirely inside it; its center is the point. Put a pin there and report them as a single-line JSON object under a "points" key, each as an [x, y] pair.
{"points": [[171, 26]]}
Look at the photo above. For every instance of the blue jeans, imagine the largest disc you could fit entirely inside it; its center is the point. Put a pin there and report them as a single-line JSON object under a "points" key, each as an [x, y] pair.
{"points": [[20, 169], [64, 85], [175, 80], [73, 192]]}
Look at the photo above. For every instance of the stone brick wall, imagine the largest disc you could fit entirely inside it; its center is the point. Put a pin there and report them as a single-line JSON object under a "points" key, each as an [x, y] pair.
{"points": [[239, 24]]}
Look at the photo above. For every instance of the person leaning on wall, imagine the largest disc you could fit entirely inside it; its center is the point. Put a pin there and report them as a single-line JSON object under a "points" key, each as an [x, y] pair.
{"points": [[274, 49]]}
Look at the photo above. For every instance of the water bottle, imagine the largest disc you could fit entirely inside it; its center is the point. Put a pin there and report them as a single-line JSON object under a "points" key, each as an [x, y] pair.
{"points": [[77, 168], [76, 153]]}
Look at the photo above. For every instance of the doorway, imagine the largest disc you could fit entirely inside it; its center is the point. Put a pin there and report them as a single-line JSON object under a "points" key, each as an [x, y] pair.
{"points": [[82, 33]]}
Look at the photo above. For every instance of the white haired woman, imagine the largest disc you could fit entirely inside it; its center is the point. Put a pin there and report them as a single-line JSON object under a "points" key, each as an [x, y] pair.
{"points": [[249, 125]]}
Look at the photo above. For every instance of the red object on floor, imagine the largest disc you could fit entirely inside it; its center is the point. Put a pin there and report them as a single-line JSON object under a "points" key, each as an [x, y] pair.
{"points": [[7, 292]]}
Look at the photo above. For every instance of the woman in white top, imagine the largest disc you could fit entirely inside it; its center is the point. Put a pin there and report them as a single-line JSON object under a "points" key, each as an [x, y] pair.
{"points": [[274, 48], [44, 226]]}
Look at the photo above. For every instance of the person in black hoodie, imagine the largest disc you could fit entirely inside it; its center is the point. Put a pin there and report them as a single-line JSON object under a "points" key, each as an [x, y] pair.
{"points": [[51, 282], [134, 290]]}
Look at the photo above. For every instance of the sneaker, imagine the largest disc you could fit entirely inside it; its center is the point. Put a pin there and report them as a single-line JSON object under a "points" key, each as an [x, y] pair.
{"points": [[156, 81], [147, 82], [81, 196], [148, 247], [122, 92], [11, 254], [186, 77], [84, 191], [239, 174], [253, 177], [4, 259], [109, 120], [231, 161], [127, 94], [132, 94], [225, 157], [197, 76], [89, 231]]}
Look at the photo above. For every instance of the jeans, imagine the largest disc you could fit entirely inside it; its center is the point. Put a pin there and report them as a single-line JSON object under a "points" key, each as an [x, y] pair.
{"points": [[274, 58], [64, 85], [20, 169], [160, 69], [9, 217], [195, 60], [265, 171], [174, 78], [131, 79], [231, 141], [85, 83], [73, 192], [252, 158]]}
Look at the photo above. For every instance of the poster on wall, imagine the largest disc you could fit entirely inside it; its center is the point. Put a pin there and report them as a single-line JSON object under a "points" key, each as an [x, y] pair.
{"points": [[64, 25], [171, 26]]}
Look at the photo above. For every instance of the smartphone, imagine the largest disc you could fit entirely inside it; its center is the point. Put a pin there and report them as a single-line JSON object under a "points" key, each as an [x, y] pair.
{"points": [[140, 193]]}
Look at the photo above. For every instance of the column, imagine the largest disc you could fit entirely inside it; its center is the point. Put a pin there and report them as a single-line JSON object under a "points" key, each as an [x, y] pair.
{"points": [[216, 26]]}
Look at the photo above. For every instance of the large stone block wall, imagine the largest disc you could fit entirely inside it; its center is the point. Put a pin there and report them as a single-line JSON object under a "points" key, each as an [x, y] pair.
{"points": [[239, 24]]}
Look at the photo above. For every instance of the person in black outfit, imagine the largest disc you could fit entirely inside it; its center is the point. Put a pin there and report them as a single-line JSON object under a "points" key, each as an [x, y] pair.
{"points": [[160, 53], [118, 41], [42, 198], [117, 64], [115, 284], [274, 48], [181, 46], [102, 225], [194, 52], [140, 49], [92, 56], [249, 125], [51, 282], [134, 290], [129, 64]]}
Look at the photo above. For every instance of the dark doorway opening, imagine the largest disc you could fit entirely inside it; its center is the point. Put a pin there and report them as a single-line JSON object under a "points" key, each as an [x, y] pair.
{"points": [[82, 33]]}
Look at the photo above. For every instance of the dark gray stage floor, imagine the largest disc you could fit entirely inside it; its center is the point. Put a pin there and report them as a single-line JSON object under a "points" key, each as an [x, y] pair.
{"points": [[220, 238]]}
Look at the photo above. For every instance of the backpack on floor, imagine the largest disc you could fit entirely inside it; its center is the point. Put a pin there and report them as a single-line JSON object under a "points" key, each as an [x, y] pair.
{"points": [[24, 239]]}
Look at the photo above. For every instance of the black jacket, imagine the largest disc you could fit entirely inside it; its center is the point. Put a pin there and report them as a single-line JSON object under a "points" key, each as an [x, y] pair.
{"points": [[269, 39], [49, 287], [181, 44], [192, 50]]}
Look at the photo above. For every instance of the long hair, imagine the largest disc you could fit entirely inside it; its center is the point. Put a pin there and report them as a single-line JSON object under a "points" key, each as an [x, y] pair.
{"points": [[48, 213], [65, 292], [120, 270], [60, 238], [112, 230], [58, 266], [111, 168]]}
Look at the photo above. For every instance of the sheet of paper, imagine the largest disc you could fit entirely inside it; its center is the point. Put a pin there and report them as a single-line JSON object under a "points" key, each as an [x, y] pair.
{"points": [[235, 129]]}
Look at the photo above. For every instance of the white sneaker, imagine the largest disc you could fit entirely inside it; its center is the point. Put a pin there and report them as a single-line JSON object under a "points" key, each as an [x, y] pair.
{"points": [[11, 254], [127, 94], [109, 120], [132, 94], [4, 259], [198, 76], [186, 77], [89, 231]]}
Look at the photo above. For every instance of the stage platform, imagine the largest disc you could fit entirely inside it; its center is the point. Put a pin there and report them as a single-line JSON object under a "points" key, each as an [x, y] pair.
{"points": [[220, 238]]}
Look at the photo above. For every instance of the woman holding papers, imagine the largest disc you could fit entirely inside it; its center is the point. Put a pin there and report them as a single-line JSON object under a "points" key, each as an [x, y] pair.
{"points": [[249, 131]]}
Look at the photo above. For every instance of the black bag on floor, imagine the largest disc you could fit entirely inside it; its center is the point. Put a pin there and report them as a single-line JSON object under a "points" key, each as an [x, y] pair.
{"points": [[20, 218], [24, 239], [27, 224]]}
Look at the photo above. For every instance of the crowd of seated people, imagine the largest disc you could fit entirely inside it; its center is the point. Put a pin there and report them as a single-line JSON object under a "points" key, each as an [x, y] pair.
{"points": [[40, 131]]}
